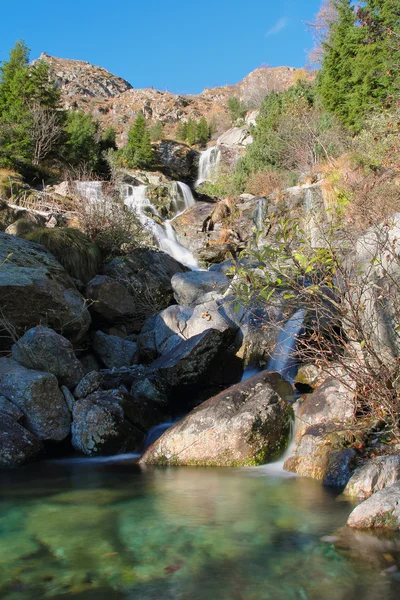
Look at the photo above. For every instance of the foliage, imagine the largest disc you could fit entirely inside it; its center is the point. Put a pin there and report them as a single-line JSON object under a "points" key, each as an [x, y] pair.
{"points": [[82, 146], [108, 140], [73, 249], [156, 131], [228, 183], [237, 109], [138, 152], [194, 132], [263, 183]]}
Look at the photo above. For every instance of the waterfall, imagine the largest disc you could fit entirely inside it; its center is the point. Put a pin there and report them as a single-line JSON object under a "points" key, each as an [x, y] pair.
{"points": [[91, 190], [155, 432], [282, 361], [136, 199], [187, 195], [260, 215], [208, 165]]}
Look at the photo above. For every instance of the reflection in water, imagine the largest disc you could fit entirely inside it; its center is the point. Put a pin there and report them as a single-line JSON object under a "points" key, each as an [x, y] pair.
{"points": [[109, 530]]}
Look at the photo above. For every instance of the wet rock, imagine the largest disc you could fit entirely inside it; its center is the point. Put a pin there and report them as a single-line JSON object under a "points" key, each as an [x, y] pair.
{"points": [[36, 289], [191, 286], [111, 301], [203, 361], [114, 351], [322, 454], [248, 423], [43, 349], [17, 445], [376, 474], [99, 425], [37, 395], [146, 274], [88, 384], [10, 409], [381, 510]]}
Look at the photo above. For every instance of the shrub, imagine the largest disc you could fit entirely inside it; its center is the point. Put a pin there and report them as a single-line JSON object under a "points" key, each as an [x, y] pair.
{"points": [[267, 182], [80, 257]]}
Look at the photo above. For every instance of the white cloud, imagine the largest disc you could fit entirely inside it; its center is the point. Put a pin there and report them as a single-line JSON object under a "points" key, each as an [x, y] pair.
{"points": [[278, 27]]}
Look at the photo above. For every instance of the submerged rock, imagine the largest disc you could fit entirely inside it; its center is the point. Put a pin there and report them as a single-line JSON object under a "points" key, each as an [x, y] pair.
{"points": [[376, 474], [248, 423], [17, 445], [43, 349], [36, 289], [382, 510], [37, 395]]}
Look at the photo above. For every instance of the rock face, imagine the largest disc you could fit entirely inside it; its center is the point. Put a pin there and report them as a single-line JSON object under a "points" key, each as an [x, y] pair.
{"points": [[377, 474], [99, 425], [204, 361], [146, 274], [237, 137], [179, 159], [38, 397], [191, 286], [115, 352], [321, 448], [35, 289], [382, 510], [43, 349], [17, 445], [248, 424]]}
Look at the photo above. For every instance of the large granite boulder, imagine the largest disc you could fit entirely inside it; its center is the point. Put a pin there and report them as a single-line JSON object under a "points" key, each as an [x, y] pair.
{"points": [[191, 286], [115, 352], [146, 274], [100, 425], [38, 397], [109, 301], [382, 510], [376, 474], [17, 445], [43, 349], [206, 361], [34, 290], [247, 424]]}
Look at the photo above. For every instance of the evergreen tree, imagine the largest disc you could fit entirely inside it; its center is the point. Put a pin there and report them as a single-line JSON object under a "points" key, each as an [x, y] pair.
{"points": [[191, 131], [156, 131], [138, 152], [108, 140], [82, 146], [181, 133], [203, 132], [236, 108]]}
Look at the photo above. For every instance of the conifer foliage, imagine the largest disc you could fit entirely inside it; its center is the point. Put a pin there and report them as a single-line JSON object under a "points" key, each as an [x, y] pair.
{"points": [[138, 152]]}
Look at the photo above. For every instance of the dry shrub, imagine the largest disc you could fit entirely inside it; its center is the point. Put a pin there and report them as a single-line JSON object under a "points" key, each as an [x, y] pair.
{"points": [[10, 183], [264, 183]]}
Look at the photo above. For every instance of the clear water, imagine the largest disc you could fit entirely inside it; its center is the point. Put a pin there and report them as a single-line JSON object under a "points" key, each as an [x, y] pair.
{"points": [[108, 531]]}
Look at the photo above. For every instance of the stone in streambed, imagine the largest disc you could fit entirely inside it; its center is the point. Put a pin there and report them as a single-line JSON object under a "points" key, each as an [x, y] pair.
{"points": [[17, 445], [376, 474], [381, 510], [248, 423], [191, 286]]}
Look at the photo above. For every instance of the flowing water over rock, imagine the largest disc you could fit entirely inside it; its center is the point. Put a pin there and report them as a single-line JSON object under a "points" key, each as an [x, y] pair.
{"points": [[283, 361], [108, 530], [208, 164], [91, 190], [136, 199]]}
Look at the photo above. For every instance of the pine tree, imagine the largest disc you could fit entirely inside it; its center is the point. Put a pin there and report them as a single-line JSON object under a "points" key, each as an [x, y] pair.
{"points": [[82, 146], [191, 131], [156, 131], [203, 132], [138, 152], [181, 133]]}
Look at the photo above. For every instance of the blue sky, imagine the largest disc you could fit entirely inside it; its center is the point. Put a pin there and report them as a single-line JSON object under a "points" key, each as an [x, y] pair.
{"points": [[179, 45]]}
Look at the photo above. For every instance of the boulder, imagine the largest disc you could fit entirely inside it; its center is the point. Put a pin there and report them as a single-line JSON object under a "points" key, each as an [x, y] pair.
{"points": [[163, 331], [247, 424], [88, 384], [114, 351], [10, 409], [43, 349], [178, 159], [146, 274], [236, 137], [109, 301], [17, 445], [35, 289], [376, 474], [205, 361], [38, 397], [191, 286], [99, 425], [381, 510]]}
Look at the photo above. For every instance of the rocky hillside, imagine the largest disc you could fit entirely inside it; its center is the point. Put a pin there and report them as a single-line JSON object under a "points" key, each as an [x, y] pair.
{"points": [[114, 102]]}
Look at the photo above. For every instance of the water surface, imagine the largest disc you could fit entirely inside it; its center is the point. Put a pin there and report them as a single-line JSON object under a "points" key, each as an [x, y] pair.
{"points": [[99, 529]]}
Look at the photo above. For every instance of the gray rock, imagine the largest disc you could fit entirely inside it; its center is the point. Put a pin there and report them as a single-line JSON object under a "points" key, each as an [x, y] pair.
{"points": [[99, 425], [43, 349], [178, 158], [376, 474], [208, 315], [89, 363], [37, 395], [247, 424], [36, 289], [17, 445], [112, 303], [191, 286], [69, 398], [115, 351], [382, 510], [10, 409], [88, 384]]}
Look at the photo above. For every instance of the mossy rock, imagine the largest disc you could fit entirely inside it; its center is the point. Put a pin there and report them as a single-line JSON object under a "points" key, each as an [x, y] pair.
{"points": [[80, 257]]}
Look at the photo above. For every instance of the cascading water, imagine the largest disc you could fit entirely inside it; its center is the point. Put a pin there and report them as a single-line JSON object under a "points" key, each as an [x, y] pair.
{"points": [[136, 199], [208, 165], [260, 215], [187, 195], [283, 361], [91, 190]]}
